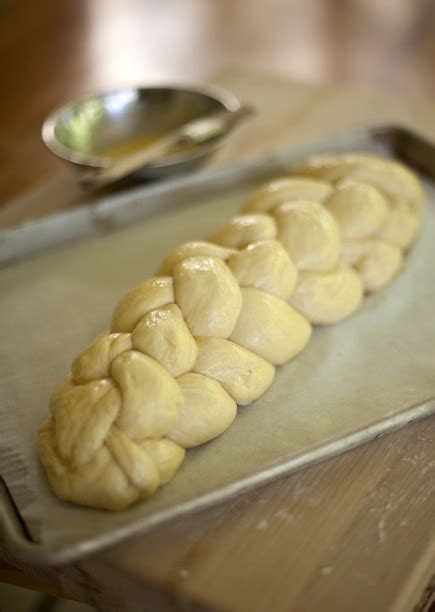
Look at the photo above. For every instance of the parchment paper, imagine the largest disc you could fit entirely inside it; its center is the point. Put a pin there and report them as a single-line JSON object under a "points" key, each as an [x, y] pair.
{"points": [[352, 377]]}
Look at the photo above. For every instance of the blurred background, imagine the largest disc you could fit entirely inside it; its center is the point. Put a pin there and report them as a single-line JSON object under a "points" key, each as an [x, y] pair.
{"points": [[55, 50]]}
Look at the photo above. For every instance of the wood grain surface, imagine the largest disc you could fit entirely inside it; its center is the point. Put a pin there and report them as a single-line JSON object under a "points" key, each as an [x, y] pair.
{"points": [[352, 533]]}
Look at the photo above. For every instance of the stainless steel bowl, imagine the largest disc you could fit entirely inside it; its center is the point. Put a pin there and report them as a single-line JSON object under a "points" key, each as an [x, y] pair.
{"points": [[104, 126]]}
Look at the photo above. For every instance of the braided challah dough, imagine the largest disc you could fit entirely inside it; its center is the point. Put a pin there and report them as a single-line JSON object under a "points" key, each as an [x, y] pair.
{"points": [[203, 336]]}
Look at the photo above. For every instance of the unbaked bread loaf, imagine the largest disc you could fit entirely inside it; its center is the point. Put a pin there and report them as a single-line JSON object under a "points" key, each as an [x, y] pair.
{"points": [[205, 334]]}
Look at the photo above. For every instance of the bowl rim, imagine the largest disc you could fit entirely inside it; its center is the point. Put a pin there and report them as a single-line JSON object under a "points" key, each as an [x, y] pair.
{"points": [[229, 101]]}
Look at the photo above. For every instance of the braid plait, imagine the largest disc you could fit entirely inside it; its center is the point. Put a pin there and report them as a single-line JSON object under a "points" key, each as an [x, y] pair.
{"points": [[205, 334]]}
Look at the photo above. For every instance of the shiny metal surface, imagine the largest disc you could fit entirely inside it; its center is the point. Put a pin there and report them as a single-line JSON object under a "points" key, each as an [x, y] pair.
{"points": [[302, 419], [194, 134], [86, 132]]}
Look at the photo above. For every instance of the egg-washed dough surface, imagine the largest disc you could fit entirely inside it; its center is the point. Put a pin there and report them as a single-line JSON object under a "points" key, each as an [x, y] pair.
{"points": [[183, 350], [381, 358]]}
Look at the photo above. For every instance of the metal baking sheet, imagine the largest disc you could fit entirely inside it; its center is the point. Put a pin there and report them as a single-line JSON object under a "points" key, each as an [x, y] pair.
{"points": [[355, 381]]}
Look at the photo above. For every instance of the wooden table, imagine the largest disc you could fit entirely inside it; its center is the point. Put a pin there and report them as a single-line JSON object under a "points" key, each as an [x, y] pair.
{"points": [[353, 533]]}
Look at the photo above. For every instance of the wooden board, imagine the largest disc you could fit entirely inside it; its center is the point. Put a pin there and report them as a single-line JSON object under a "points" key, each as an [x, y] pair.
{"points": [[353, 533]]}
